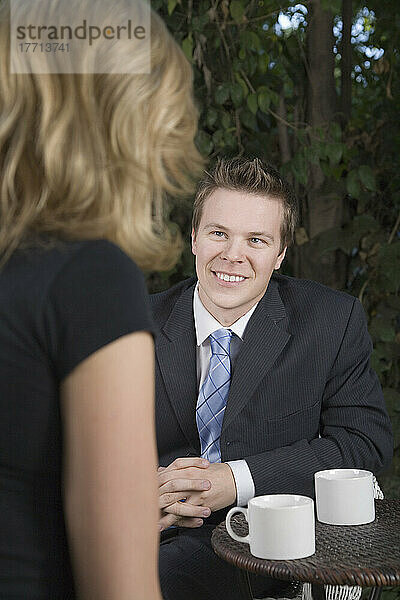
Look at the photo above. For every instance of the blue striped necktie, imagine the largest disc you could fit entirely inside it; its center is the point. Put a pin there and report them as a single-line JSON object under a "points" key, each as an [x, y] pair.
{"points": [[213, 394]]}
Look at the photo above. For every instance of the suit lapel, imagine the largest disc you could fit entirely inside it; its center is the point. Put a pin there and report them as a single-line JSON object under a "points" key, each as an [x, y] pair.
{"points": [[264, 339], [176, 355]]}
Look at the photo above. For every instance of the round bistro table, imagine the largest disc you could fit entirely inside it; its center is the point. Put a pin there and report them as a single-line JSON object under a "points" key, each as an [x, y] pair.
{"points": [[364, 555]]}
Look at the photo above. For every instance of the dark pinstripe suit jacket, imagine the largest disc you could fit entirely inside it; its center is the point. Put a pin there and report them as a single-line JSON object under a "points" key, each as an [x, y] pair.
{"points": [[302, 396]]}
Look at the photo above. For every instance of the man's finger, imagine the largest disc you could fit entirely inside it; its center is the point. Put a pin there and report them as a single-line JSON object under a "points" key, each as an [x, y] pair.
{"points": [[196, 498], [188, 461], [190, 522], [183, 485], [189, 474], [169, 520], [170, 498], [188, 510]]}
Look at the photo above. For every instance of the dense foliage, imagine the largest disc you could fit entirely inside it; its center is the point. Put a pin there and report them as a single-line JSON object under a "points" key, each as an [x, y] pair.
{"points": [[313, 88]]}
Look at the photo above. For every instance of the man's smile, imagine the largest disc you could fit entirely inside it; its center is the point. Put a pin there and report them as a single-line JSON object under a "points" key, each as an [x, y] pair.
{"points": [[228, 277]]}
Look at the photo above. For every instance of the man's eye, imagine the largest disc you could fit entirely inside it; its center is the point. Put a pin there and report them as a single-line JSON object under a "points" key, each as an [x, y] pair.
{"points": [[218, 233], [256, 240]]}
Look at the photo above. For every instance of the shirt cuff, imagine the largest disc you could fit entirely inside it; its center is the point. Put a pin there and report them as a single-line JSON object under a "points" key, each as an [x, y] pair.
{"points": [[245, 489]]}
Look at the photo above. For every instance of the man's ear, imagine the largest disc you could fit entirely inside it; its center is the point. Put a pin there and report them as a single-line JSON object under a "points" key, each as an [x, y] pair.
{"points": [[280, 258], [194, 248]]}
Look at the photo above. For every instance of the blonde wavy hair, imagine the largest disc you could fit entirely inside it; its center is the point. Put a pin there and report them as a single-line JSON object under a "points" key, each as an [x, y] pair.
{"points": [[86, 156]]}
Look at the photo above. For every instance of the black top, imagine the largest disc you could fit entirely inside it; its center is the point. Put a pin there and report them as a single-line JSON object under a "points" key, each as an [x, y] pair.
{"points": [[57, 306]]}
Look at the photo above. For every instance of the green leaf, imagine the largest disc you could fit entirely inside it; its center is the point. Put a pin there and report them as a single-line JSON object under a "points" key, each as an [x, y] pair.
{"points": [[329, 240], [249, 120], [393, 302], [255, 41], [171, 6], [382, 329], [311, 154], [237, 65], [334, 152], [229, 139], [363, 224], [252, 103], [326, 169], [237, 10], [226, 120], [199, 23], [335, 131], [243, 84], [367, 177], [250, 41], [377, 364], [187, 47], [288, 89], [302, 138], [222, 93], [389, 260], [250, 64], [236, 94], [274, 97], [264, 101], [392, 352], [337, 172], [392, 400], [299, 168], [212, 116], [320, 147], [263, 89], [353, 184], [354, 231], [263, 63], [218, 138], [242, 53], [204, 143], [334, 6]]}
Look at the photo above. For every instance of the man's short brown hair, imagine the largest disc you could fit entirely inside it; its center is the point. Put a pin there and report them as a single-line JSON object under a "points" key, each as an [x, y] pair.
{"points": [[253, 176]]}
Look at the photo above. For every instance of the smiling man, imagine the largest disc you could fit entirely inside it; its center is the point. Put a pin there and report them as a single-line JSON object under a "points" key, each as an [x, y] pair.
{"points": [[235, 257], [261, 380]]}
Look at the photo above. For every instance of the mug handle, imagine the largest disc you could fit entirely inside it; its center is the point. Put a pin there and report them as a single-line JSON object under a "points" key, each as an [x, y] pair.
{"points": [[238, 538]]}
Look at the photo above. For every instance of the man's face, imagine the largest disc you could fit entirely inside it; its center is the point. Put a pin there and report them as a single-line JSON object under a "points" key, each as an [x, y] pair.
{"points": [[237, 249]]}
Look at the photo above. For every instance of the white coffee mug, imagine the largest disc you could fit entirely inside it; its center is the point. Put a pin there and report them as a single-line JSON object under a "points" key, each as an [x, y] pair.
{"points": [[281, 526], [344, 496]]}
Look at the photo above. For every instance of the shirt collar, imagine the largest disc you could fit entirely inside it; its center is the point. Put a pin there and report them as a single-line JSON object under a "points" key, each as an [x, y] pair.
{"points": [[205, 323]]}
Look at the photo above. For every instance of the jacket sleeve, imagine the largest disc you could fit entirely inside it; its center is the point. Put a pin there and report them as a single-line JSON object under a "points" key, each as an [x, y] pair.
{"points": [[355, 429]]}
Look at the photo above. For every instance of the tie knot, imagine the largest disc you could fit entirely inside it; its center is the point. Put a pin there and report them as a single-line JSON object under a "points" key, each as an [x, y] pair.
{"points": [[220, 341]]}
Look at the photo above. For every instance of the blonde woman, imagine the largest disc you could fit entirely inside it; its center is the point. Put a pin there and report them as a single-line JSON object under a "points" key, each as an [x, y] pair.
{"points": [[85, 160]]}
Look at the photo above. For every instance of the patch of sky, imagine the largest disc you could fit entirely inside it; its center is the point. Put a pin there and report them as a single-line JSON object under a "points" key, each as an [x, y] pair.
{"points": [[361, 31], [295, 16], [291, 19], [371, 52]]}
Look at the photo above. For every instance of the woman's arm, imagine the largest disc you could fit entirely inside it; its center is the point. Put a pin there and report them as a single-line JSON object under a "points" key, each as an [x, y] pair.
{"points": [[110, 490]]}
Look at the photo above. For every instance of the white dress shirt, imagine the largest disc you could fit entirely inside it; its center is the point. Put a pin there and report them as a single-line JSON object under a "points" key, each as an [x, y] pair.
{"points": [[205, 324]]}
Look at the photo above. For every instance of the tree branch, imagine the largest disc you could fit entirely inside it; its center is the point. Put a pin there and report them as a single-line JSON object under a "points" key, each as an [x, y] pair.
{"points": [[395, 229]]}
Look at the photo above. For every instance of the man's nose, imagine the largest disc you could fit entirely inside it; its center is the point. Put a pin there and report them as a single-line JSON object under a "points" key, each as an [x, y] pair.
{"points": [[233, 251]]}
